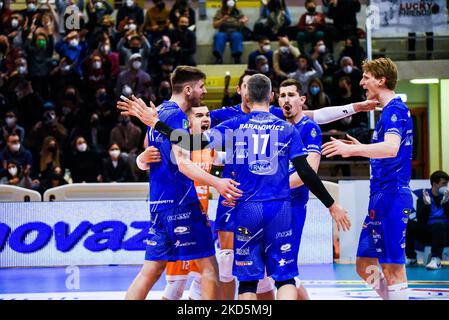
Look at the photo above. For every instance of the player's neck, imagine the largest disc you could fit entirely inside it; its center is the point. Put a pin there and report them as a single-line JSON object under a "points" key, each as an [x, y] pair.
{"points": [[181, 102], [259, 107], [385, 97], [297, 118]]}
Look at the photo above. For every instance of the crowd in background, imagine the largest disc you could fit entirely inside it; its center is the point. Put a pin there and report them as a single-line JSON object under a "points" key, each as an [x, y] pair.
{"points": [[64, 65]]}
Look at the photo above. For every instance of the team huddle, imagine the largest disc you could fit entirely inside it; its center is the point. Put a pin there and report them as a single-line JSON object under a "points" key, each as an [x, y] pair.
{"points": [[270, 157]]}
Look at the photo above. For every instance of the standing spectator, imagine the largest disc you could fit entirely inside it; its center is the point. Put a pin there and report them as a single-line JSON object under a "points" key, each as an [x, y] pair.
{"points": [[157, 20], [126, 135], [10, 127], [274, 20], [49, 158], [347, 69], [180, 9], [131, 10], [307, 69], [96, 10], [353, 50], [30, 13], [5, 15], [183, 42], [263, 66], [16, 175], [310, 25], [285, 59], [264, 49], [73, 48], [15, 151], [110, 58], [83, 163], [134, 80], [432, 221], [96, 74], [326, 59], [229, 22], [316, 97], [115, 167], [17, 30], [163, 92], [134, 43], [344, 15]]}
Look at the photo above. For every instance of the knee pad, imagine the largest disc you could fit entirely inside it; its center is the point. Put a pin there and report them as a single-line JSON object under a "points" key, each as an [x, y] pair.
{"points": [[279, 284], [174, 289], [265, 285], [225, 262], [248, 286], [195, 288]]}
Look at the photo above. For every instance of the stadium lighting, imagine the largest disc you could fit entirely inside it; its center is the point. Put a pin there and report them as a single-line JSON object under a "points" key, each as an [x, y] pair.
{"points": [[425, 81]]}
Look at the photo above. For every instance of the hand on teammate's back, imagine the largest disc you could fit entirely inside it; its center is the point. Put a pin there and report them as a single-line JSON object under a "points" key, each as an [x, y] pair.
{"points": [[151, 155], [341, 217]]}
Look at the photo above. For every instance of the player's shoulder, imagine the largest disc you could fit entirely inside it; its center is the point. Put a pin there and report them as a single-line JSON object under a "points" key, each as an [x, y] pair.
{"points": [[395, 110], [169, 110], [310, 124]]}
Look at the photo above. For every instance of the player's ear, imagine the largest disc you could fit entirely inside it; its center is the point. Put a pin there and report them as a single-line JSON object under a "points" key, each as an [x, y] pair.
{"points": [[238, 90], [272, 96], [381, 81], [187, 90]]}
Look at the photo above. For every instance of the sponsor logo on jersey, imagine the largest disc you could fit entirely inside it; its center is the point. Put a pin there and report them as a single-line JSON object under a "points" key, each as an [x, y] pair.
{"points": [[185, 244], [181, 230], [243, 238], [151, 243], [284, 262], [242, 252], [372, 214], [260, 167], [244, 263], [286, 247], [185, 124], [244, 231], [284, 234], [394, 118], [228, 203], [313, 133], [180, 216]]}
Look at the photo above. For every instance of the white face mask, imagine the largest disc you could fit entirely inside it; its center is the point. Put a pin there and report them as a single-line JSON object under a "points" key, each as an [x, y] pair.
{"points": [[66, 68], [1, 5], [31, 7], [10, 121], [266, 48], [322, 48], [114, 153], [73, 42], [22, 70], [13, 171], [442, 190], [129, 3], [96, 65], [98, 4], [127, 91], [132, 26], [14, 23], [230, 4], [81, 147], [265, 68], [347, 69], [15, 147], [283, 49], [137, 64], [106, 49]]}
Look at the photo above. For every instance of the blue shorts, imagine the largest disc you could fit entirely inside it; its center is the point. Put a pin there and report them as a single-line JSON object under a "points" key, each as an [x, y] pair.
{"points": [[224, 220], [383, 231], [264, 238], [299, 208], [181, 233]]}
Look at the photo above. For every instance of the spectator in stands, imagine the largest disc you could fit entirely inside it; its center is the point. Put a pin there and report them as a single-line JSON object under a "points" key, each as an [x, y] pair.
{"points": [[72, 111], [229, 22], [110, 59], [161, 55], [326, 59], [126, 135], [5, 15], [49, 157], [307, 69], [134, 43], [16, 30], [344, 15], [285, 59], [134, 80], [9, 127], [49, 20], [115, 167], [131, 10], [264, 49], [353, 50], [180, 9], [274, 19], [29, 104], [15, 151], [30, 13], [310, 25], [96, 10], [163, 92], [55, 179], [157, 21], [48, 126], [347, 69], [74, 48], [96, 74], [18, 73], [431, 225], [316, 97], [263, 66], [83, 163], [16, 175], [39, 49], [183, 42]]}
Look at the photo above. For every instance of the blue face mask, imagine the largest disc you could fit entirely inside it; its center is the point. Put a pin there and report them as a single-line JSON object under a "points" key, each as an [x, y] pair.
{"points": [[315, 90]]}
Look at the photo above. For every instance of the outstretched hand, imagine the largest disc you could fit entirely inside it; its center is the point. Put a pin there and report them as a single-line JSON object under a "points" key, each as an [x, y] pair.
{"points": [[136, 107], [338, 147]]}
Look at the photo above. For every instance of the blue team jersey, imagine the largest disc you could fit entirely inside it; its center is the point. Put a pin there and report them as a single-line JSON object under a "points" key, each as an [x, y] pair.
{"points": [[261, 146], [312, 139], [393, 174], [169, 188], [225, 113]]}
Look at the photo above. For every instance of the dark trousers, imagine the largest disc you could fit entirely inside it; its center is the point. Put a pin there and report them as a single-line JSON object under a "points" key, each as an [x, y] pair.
{"points": [[436, 234]]}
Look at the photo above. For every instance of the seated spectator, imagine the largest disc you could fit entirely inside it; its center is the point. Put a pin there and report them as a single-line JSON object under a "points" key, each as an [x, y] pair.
{"points": [[316, 97], [344, 15], [115, 167], [83, 163], [134, 43], [229, 22], [431, 225], [9, 127], [18, 73], [183, 42], [131, 10], [134, 80], [17, 175], [49, 157], [264, 49], [263, 66], [55, 179], [110, 59], [74, 48], [72, 110], [310, 25], [274, 19], [307, 69], [347, 69], [157, 22], [346, 95], [15, 151], [285, 59], [353, 50], [126, 135], [181, 8], [326, 59]]}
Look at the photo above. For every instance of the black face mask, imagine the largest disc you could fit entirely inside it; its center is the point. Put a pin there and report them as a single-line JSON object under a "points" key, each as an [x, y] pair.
{"points": [[160, 5], [52, 148], [135, 50], [102, 98], [56, 176], [183, 28], [343, 91], [311, 10], [70, 96]]}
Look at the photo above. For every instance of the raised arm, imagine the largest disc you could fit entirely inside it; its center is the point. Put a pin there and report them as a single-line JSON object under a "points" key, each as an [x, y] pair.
{"points": [[331, 114]]}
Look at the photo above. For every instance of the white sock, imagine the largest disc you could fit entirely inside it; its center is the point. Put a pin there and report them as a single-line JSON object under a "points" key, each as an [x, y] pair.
{"points": [[381, 287], [398, 291]]}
